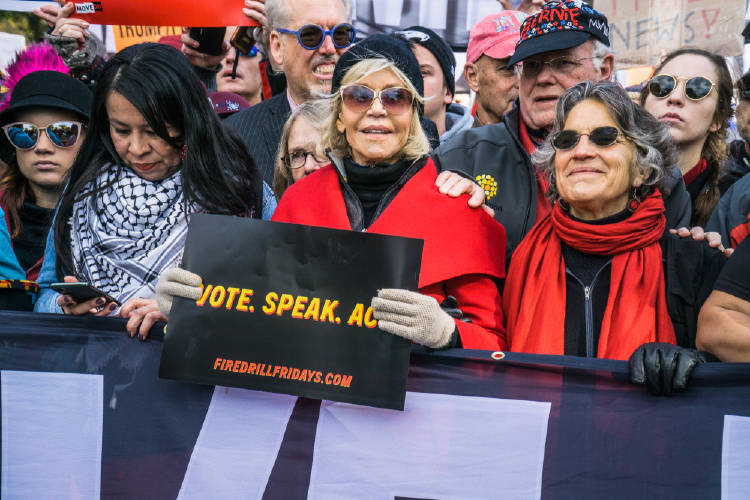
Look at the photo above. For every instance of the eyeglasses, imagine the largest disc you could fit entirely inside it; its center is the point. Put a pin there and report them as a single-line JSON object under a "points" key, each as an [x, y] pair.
{"points": [[359, 98], [311, 36], [558, 65], [252, 53], [696, 88], [25, 136], [601, 136], [297, 159]]}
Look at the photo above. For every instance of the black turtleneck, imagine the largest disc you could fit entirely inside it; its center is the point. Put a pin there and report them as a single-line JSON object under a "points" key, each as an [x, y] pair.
{"points": [[35, 223], [370, 183]]}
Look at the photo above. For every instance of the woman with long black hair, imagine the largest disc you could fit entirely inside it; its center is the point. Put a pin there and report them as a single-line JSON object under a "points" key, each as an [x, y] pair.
{"points": [[154, 154]]}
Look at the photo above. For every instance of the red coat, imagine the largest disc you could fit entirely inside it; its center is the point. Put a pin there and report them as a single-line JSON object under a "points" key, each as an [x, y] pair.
{"points": [[464, 248]]}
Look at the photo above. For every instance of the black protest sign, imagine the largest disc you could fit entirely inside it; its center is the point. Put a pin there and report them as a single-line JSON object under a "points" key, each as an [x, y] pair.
{"points": [[286, 308]]}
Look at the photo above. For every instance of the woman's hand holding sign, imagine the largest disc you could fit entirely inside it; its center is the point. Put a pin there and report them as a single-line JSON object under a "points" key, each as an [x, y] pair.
{"points": [[413, 316], [176, 282]]}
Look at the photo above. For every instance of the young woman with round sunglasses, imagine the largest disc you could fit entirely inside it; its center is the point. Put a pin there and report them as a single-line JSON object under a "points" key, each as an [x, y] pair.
{"points": [[155, 153], [43, 128], [691, 92], [382, 180]]}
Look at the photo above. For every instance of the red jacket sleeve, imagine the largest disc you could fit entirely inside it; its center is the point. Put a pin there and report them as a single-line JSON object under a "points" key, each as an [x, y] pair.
{"points": [[479, 299]]}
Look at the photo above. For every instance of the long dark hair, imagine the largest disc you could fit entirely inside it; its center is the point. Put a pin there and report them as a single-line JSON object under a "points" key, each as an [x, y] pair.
{"points": [[715, 149], [218, 174]]}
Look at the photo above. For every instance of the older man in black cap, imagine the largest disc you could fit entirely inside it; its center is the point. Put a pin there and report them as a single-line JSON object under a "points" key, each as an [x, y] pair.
{"points": [[565, 43]]}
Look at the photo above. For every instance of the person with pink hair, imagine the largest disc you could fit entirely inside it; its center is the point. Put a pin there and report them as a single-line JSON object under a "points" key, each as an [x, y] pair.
{"points": [[35, 57]]}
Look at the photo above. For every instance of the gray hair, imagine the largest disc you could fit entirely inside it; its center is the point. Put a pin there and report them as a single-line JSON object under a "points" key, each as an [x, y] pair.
{"points": [[278, 16], [316, 112], [654, 149]]}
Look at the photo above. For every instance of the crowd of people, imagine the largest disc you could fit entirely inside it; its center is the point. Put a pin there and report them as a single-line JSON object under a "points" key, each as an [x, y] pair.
{"points": [[559, 216]]}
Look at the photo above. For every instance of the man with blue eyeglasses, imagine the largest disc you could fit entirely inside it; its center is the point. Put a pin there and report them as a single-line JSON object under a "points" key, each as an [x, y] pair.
{"points": [[306, 39]]}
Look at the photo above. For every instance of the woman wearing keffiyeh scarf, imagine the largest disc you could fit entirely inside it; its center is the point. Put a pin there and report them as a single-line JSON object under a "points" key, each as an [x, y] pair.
{"points": [[155, 153]]}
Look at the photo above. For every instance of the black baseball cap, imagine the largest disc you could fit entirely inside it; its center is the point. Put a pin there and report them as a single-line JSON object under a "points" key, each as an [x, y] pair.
{"points": [[560, 25]]}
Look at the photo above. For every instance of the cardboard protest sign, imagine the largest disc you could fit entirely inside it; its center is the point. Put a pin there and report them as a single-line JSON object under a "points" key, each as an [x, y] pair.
{"points": [[164, 12], [127, 35], [286, 308], [640, 29]]}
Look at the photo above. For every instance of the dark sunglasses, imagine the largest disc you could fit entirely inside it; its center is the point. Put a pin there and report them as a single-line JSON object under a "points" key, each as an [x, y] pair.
{"points": [[359, 98], [696, 88], [63, 134], [601, 136], [311, 36]]}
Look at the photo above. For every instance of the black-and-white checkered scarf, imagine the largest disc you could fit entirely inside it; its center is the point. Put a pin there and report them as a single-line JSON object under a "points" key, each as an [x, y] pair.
{"points": [[126, 234]]}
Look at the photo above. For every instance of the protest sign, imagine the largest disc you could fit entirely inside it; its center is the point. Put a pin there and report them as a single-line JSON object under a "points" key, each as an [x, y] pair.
{"points": [[639, 30], [286, 308], [164, 13], [127, 35]]}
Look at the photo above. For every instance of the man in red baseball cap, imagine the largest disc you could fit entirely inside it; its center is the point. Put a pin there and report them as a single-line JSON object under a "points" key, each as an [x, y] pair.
{"points": [[491, 43]]}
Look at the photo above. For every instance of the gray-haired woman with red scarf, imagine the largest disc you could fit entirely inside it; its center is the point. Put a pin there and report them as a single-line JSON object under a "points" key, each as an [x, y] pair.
{"points": [[597, 278]]}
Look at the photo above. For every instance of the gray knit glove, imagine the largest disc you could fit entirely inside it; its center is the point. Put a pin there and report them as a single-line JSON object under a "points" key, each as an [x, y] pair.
{"points": [[414, 316], [176, 282]]}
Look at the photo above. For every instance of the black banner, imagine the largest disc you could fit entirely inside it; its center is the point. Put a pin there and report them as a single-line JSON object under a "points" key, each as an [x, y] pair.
{"points": [[605, 438], [286, 308]]}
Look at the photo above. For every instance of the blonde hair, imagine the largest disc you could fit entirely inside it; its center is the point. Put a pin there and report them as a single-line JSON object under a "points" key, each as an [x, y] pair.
{"points": [[315, 111], [416, 145]]}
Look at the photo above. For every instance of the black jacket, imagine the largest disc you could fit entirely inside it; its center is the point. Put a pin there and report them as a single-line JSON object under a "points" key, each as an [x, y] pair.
{"points": [[494, 157], [690, 269], [731, 211], [736, 166], [260, 127]]}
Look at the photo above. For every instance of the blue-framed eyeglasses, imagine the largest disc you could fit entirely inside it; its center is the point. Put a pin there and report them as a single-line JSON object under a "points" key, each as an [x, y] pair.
{"points": [[311, 36], [253, 52]]}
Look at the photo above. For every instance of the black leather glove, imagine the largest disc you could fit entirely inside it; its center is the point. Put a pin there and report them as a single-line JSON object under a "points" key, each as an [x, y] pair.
{"points": [[450, 306], [664, 368]]}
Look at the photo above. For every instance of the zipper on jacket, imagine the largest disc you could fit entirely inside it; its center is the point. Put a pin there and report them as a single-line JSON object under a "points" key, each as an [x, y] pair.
{"points": [[589, 322], [588, 307]]}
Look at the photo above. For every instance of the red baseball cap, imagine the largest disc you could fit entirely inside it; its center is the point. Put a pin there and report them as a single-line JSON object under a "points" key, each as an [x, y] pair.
{"points": [[496, 35]]}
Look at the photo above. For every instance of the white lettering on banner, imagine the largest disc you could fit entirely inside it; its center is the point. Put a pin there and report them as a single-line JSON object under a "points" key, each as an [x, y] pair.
{"points": [[438, 447], [51, 435], [237, 446], [85, 8], [735, 459]]}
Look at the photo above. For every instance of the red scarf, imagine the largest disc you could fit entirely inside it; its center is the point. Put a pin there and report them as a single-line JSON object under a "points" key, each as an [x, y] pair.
{"points": [[543, 206], [636, 312]]}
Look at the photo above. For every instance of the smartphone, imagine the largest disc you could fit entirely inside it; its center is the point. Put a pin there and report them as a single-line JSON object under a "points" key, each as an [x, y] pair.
{"points": [[210, 39], [242, 39], [81, 292]]}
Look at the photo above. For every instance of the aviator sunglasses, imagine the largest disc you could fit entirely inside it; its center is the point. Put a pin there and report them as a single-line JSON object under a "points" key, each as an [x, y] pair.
{"points": [[359, 98], [63, 134], [311, 36], [600, 136], [696, 88]]}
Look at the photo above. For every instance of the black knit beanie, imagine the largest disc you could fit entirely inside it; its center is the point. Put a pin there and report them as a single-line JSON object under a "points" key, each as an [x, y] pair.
{"points": [[439, 48], [380, 46]]}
